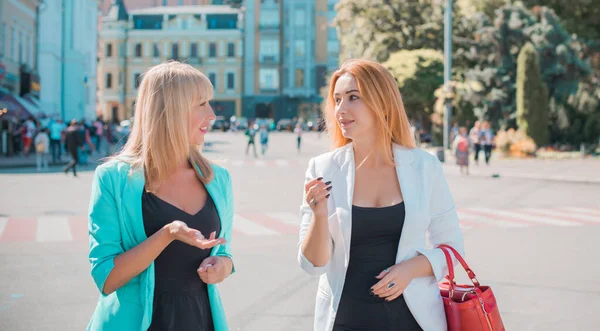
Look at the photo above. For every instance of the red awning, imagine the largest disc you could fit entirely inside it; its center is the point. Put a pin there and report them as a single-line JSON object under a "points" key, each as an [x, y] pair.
{"points": [[14, 107]]}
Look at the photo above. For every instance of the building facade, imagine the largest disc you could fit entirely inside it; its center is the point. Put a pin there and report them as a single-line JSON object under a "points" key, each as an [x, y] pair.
{"points": [[208, 37], [18, 41], [290, 48], [67, 58]]}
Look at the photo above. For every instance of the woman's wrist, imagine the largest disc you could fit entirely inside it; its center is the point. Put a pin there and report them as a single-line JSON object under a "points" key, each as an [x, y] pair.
{"points": [[165, 234]]}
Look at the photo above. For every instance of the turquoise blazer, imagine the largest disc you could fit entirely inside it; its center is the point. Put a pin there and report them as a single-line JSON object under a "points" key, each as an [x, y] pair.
{"points": [[116, 225]]}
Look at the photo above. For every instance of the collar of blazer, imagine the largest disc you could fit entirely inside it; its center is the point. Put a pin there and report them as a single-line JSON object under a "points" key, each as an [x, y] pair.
{"points": [[342, 171]]}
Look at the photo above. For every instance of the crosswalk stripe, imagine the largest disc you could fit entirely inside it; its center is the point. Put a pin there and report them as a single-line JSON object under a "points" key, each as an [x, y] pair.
{"points": [[53, 228], [260, 163], [270, 222], [19, 230], [288, 218], [586, 211], [250, 228], [282, 163], [237, 163], [565, 215], [526, 217], [3, 221], [464, 215]]}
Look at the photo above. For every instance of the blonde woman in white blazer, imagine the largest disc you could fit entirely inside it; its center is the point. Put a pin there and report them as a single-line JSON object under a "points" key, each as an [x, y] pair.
{"points": [[367, 208]]}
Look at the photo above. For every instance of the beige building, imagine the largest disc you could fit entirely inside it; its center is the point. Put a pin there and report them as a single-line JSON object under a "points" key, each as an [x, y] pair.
{"points": [[208, 37]]}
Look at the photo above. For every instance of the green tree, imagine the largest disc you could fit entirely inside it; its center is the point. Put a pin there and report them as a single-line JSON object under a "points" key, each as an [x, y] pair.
{"points": [[374, 29], [532, 96], [418, 74]]}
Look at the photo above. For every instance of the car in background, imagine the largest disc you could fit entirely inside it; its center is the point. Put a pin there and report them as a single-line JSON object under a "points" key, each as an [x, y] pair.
{"points": [[219, 124], [285, 124], [242, 123], [267, 122]]}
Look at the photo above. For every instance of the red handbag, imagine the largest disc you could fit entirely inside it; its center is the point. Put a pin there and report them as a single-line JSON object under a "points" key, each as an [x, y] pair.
{"points": [[468, 308]]}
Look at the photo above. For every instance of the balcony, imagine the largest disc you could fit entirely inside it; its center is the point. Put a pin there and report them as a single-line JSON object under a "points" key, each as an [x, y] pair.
{"points": [[268, 26], [269, 59]]}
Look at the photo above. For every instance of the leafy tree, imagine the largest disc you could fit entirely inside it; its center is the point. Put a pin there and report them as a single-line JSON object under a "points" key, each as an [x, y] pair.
{"points": [[532, 96], [418, 74]]}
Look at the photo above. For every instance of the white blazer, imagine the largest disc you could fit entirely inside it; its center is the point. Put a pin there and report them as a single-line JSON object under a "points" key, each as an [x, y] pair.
{"points": [[429, 208]]}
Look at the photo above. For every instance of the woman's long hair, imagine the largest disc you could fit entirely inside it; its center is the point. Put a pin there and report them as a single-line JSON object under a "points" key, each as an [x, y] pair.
{"points": [[160, 136], [379, 91]]}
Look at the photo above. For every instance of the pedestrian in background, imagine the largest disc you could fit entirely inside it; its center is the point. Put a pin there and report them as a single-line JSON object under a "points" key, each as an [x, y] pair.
{"points": [[486, 139], [474, 137], [298, 132], [42, 147], [462, 145], [367, 207], [73, 143], [250, 134], [57, 131], [161, 214], [264, 138]]}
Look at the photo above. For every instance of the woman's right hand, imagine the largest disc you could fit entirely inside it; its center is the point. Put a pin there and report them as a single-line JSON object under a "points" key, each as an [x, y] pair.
{"points": [[178, 230], [317, 193]]}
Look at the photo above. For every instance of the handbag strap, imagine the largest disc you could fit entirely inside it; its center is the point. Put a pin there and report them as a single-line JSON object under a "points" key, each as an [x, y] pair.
{"points": [[447, 249]]}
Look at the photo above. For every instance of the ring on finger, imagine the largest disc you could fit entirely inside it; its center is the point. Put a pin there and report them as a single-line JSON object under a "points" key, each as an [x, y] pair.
{"points": [[391, 285], [313, 202]]}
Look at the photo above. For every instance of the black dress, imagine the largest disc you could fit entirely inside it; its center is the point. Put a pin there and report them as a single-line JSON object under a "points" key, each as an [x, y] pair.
{"points": [[180, 296], [373, 247]]}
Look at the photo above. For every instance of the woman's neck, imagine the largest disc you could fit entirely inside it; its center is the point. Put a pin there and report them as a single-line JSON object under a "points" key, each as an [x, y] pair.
{"points": [[367, 155]]}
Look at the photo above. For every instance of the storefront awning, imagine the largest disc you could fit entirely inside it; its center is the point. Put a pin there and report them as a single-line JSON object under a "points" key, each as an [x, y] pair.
{"points": [[14, 107]]}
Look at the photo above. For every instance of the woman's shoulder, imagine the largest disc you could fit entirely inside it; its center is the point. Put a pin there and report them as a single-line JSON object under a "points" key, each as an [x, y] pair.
{"points": [[219, 171], [113, 167], [421, 157]]}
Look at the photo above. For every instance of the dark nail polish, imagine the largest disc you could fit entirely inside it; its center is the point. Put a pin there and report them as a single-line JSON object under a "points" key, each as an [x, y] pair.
{"points": [[329, 188], [327, 183], [320, 178], [327, 196], [371, 293]]}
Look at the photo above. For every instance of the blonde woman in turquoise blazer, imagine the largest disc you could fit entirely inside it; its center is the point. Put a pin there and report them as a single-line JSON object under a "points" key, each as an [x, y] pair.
{"points": [[162, 162]]}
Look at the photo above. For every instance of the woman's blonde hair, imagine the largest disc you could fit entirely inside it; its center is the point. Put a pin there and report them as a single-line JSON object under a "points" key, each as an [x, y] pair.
{"points": [[379, 91], [160, 136]]}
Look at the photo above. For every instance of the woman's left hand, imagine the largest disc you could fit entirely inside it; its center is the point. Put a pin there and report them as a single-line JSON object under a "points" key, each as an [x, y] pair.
{"points": [[392, 282], [212, 270]]}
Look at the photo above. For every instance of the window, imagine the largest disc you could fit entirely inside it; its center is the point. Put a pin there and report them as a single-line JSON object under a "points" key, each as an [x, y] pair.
{"points": [[2, 39], [212, 50], [230, 80], [333, 48], [108, 50], [268, 78], [217, 2], [136, 81], [300, 48], [20, 47], [299, 77], [193, 50], [230, 50], [213, 79], [147, 22], [108, 80], [121, 78], [155, 51], [269, 17], [121, 49], [269, 49], [332, 33], [222, 21], [300, 17], [13, 44], [175, 51], [138, 50]]}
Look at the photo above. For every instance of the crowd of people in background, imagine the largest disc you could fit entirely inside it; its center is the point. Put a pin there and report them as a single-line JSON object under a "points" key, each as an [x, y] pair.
{"points": [[52, 140], [464, 141]]}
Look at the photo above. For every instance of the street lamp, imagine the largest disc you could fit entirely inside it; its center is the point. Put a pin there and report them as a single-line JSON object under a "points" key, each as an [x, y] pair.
{"points": [[447, 75]]}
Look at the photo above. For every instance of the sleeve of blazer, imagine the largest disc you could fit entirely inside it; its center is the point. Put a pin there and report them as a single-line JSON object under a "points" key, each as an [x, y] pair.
{"points": [[225, 250], [305, 217], [443, 228], [103, 228]]}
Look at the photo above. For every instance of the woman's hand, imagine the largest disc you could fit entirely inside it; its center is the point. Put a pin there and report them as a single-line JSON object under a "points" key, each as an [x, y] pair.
{"points": [[392, 282], [213, 270], [317, 194], [178, 230]]}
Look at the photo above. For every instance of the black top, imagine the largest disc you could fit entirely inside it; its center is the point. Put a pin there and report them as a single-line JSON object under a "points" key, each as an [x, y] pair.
{"points": [[180, 296], [373, 247]]}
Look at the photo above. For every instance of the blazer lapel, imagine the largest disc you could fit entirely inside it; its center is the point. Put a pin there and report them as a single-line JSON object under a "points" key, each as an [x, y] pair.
{"points": [[132, 206], [407, 178], [213, 189], [343, 193]]}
